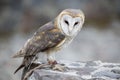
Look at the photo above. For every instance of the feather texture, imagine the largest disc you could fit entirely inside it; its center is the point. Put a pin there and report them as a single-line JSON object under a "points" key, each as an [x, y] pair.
{"points": [[45, 39]]}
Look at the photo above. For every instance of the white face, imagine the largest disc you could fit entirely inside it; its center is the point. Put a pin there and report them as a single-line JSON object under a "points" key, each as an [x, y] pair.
{"points": [[70, 26]]}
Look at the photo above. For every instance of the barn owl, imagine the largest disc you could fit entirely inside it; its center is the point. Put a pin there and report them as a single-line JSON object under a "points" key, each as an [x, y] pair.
{"points": [[52, 37]]}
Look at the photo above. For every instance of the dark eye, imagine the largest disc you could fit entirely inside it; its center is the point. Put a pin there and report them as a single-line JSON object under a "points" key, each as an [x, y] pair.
{"points": [[76, 23], [66, 22]]}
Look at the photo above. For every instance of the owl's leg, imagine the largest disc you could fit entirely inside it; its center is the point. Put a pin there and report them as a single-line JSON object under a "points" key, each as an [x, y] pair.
{"points": [[54, 65], [51, 59]]}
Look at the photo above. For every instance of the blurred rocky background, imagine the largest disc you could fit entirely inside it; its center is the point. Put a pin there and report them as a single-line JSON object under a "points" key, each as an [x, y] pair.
{"points": [[99, 39]]}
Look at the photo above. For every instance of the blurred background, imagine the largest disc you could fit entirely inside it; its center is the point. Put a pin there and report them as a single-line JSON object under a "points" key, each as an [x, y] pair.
{"points": [[99, 39]]}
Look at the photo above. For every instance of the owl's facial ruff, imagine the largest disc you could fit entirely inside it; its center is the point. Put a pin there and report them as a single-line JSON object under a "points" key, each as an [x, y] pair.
{"points": [[70, 22]]}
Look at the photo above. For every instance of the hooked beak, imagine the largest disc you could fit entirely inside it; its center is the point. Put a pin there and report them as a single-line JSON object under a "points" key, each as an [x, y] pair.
{"points": [[70, 30]]}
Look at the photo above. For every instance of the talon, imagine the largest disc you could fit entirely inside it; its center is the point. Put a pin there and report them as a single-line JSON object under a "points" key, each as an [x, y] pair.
{"points": [[59, 67], [55, 62], [52, 62]]}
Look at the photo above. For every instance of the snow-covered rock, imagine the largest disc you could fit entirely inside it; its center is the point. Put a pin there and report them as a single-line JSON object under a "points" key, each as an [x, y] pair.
{"points": [[91, 70]]}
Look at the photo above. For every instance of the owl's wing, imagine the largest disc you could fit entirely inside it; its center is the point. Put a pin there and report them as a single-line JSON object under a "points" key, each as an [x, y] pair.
{"points": [[47, 37]]}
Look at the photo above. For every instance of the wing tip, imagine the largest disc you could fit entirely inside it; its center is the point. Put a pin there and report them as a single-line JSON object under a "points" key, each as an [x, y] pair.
{"points": [[15, 56], [18, 54]]}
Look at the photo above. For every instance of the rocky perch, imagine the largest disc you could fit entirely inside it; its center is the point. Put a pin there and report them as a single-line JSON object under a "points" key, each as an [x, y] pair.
{"points": [[91, 70]]}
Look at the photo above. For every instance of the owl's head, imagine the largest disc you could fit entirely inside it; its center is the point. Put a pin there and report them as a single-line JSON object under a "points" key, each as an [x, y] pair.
{"points": [[70, 21]]}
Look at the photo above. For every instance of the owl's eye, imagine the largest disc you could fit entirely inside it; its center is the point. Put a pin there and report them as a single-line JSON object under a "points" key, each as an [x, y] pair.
{"points": [[66, 22], [76, 23]]}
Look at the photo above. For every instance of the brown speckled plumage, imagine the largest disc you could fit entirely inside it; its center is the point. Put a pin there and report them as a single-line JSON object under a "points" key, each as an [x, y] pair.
{"points": [[51, 37], [44, 40]]}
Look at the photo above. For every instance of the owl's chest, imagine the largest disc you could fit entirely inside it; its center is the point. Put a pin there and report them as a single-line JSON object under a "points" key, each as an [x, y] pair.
{"points": [[64, 43]]}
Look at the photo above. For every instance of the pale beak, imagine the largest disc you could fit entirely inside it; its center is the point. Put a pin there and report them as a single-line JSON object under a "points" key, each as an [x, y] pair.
{"points": [[70, 30]]}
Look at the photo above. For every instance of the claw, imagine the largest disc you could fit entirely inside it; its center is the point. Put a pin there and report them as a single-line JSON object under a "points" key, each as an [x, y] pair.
{"points": [[59, 67], [54, 65], [52, 62]]}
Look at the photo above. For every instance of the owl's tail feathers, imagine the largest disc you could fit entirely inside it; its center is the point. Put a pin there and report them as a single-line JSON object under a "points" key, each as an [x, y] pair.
{"points": [[27, 61], [20, 67], [17, 55]]}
